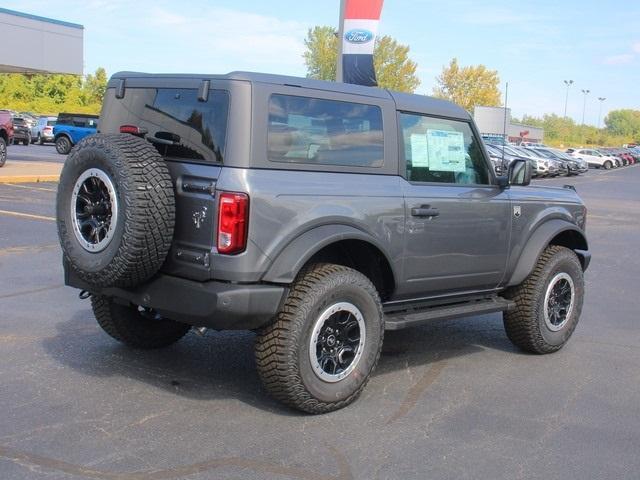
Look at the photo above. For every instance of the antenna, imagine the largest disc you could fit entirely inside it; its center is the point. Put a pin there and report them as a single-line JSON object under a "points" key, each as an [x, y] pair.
{"points": [[504, 126]]}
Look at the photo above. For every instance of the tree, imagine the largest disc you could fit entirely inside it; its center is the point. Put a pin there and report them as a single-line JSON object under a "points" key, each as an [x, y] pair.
{"points": [[50, 94], [624, 122], [468, 86], [394, 69], [95, 86], [321, 54]]}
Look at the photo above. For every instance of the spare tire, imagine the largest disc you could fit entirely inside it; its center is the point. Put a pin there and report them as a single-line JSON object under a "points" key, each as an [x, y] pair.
{"points": [[115, 210]]}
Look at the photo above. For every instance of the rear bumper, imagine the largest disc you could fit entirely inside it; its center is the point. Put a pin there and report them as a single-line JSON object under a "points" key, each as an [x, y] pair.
{"points": [[217, 305]]}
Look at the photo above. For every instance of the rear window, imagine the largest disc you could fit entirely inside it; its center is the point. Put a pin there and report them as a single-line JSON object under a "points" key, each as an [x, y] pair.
{"points": [[324, 132], [51, 123], [177, 123]]}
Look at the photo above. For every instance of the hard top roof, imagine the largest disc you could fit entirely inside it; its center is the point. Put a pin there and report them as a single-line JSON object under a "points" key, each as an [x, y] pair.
{"points": [[404, 101]]}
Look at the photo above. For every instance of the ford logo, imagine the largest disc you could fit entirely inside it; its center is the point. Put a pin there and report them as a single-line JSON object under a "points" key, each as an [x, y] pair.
{"points": [[358, 36]]}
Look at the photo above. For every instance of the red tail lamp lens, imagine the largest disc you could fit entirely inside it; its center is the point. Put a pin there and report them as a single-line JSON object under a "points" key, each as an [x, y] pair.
{"points": [[233, 212]]}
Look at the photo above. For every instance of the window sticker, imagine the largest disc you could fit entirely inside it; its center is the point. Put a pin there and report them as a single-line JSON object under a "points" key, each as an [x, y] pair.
{"points": [[419, 150], [446, 151]]}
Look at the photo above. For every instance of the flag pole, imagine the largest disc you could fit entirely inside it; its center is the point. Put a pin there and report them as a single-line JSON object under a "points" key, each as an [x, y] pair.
{"points": [[339, 76]]}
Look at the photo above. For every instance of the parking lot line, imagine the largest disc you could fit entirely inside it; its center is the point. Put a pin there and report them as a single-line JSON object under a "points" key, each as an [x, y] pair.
{"points": [[26, 215], [31, 188], [28, 249]]}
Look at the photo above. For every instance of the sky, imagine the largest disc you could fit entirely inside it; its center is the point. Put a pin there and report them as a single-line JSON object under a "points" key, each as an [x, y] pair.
{"points": [[533, 45]]}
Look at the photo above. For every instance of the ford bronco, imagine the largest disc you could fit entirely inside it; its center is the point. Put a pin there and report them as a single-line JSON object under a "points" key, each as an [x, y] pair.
{"points": [[316, 214]]}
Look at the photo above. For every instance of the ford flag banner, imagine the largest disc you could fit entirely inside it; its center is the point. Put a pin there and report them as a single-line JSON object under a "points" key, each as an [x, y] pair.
{"points": [[358, 28]]}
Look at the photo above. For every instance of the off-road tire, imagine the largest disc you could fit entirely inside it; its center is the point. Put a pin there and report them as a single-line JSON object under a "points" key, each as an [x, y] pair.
{"points": [[282, 348], [146, 210], [27, 141], [525, 325], [3, 151], [133, 328], [63, 145]]}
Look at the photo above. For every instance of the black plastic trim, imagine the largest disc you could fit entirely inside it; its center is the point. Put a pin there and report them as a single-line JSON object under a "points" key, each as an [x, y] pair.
{"points": [[213, 304]]}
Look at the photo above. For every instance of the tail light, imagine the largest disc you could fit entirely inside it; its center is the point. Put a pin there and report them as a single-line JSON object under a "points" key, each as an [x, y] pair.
{"points": [[233, 216], [47, 129], [133, 130]]}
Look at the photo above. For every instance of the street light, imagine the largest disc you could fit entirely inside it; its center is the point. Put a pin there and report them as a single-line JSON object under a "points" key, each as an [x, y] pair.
{"points": [[568, 83], [584, 107], [602, 99]]}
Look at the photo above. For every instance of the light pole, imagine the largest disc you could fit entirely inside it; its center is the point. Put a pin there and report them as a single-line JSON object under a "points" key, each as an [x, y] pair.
{"points": [[568, 83], [584, 106], [602, 99]]}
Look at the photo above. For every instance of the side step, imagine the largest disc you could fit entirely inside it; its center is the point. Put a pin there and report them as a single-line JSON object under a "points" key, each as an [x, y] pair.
{"points": [[415, 316]]}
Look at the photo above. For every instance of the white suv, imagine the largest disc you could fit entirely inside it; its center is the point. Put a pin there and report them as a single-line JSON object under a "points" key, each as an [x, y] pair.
{"points": [[595, 158]]}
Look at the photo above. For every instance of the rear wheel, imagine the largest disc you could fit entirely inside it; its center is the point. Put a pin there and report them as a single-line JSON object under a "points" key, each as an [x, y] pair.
{"points": [[548, 302], [63, 145], [135, 326], [320, 352], [608, 165], [40, 140], [27, 141]]}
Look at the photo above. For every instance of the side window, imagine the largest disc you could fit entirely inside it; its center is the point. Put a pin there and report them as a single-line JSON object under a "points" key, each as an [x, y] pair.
{"points": [[441, 150], [324, 132]]}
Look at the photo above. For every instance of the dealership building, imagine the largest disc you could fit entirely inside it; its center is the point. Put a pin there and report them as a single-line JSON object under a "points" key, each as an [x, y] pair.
{"points": [[496, 122], [45, 45]]}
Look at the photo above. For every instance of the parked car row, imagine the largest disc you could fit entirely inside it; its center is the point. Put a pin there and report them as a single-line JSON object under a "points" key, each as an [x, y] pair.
{"points": [[545, 161], [64, 131], [606, 158], [551, 162]]}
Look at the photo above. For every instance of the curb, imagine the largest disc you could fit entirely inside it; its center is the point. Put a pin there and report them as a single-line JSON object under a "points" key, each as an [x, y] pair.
{"points": [[29, 178]]}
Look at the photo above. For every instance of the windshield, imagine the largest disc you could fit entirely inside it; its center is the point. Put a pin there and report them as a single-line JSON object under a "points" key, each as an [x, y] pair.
{"points": [[545, 153], [526, 152], [511, 151]]}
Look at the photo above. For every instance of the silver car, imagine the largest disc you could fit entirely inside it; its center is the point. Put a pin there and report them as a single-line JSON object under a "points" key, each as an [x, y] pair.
{"points": [[42, 131]]}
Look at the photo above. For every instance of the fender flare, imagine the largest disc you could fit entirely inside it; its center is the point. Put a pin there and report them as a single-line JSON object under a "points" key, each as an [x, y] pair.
{"points": [[539, 240], [297, 253], [63, 134]]}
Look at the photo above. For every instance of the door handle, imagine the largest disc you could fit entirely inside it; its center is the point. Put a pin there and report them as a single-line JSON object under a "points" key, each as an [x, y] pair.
{"points": [[424, 211]]}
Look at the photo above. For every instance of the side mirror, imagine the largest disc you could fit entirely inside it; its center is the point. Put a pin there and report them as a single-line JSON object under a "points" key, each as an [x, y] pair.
{"points": [[519, 172]]}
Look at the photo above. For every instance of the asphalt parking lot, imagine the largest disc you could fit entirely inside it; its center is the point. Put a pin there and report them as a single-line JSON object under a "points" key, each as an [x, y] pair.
{"points": [[34, 153], [453, 400]]}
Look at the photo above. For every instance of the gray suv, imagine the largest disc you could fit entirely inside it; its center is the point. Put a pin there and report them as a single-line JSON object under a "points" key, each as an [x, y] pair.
{"points": [[317, 214]]}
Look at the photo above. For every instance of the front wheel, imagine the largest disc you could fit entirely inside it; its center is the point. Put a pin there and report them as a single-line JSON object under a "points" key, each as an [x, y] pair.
{"points": [[63, 145], [608, 165], [548, 302], [320, 352], [135, 326]]}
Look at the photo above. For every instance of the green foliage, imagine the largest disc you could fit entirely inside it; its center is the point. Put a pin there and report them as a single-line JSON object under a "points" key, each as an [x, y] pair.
{"points": [[51, 94], [624, 123], [468, 87], [564, 132], [321, 54], [394, 69]]}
